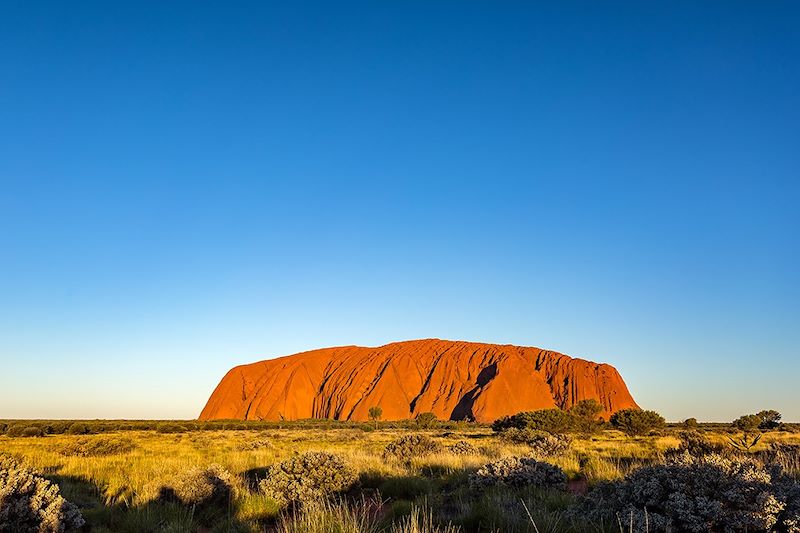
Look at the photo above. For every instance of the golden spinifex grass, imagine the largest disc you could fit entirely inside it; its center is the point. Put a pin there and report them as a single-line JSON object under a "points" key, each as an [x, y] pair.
{"points": [[119, 479]]}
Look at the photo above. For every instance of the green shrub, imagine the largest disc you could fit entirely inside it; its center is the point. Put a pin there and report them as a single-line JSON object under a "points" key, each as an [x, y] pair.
{"points": [[411, 446], [204, 487], [15, 430], [426, 420], [542, 443], [462, 447], [518, 472], [636, 421], [690, 423], [747, 423], [375, 414], [709, 493], [169, 427], [770, 419], [78, 428], [57, 427], [307, 477], [550, 420], [585, 416], [30, 503], [97, 447], [22, 430], [32, 431]]}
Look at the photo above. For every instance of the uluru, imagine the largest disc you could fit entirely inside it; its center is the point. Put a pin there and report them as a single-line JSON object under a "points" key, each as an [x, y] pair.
{"points": [[455, 380]]}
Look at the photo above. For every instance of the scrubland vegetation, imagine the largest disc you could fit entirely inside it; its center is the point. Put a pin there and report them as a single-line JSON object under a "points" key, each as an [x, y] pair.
{"points": [[540, 471]]}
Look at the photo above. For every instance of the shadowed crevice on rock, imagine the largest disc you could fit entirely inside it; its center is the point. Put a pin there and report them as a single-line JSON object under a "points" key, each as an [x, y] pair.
{"points": [[463, 410]]}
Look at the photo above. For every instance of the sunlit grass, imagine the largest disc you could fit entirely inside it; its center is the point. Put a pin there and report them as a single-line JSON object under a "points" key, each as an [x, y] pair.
{"points": [[120, 492]]}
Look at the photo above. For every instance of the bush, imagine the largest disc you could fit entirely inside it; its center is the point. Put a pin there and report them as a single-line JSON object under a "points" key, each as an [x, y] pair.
{"points": [[375, 414], [308, 477], [585, 416], [78, 428], [519, 472], [22, 430], [97, 447], [690, 423], [32, 431], [462, 447], [747, 423], [710, 493], [410, 446], [542, 443], [550, 420], [30, 503], [426, 420], [203, 487], [169, 427], [636, 421], [770, 419]]}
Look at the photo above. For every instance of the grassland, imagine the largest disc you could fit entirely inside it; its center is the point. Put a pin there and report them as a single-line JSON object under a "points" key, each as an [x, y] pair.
{"points": [[120, 485]]}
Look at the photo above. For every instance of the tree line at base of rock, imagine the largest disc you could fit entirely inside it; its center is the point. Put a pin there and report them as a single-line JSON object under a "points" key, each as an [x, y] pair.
{"points": [[582, 418]]}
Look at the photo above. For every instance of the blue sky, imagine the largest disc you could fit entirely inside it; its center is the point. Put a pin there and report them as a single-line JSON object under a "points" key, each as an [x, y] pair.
{"points": [[190, 186]]}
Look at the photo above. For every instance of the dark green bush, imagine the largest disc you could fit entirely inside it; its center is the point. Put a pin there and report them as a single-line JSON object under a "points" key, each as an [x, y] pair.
{"points": [[426, 420], [307, 477], [172, 428], [78, 428], [462, 447], [204, 487], [58, 427], [747, 423], [33, 432], [22, 430], [550, 420], [770, 419], [636, 421], [542, 443], [518, 472], [97, 447], [586, 416], [411, 446]]}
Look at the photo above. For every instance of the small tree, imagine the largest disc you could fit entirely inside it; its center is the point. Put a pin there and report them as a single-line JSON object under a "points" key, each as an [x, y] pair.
{"points": [[747, 423], [426, 420], [770, 419], [375, 414], [636, 421], [585, 415], [690, 423], [553, 421]]}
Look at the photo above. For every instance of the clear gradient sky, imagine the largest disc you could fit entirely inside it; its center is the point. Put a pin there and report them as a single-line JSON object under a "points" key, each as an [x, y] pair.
{"points": [[187, 186]]}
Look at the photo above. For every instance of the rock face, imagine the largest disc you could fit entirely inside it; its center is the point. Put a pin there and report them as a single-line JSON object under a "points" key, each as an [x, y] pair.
{"points": [[454, 380]]}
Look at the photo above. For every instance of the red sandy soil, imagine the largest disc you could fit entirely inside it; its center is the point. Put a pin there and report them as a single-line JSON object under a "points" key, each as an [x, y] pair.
{"points": [[452, 379]]}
